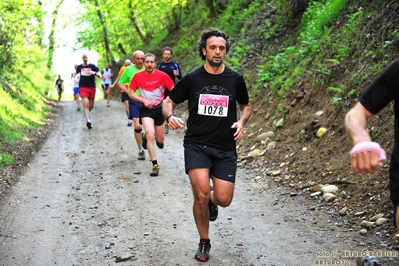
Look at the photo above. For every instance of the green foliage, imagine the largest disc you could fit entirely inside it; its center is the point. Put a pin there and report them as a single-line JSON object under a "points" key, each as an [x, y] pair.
{"points": [[23, 72], [341, 94], [318, 16], [130, 25], [238, 12], [281, 70], [4, 160]]}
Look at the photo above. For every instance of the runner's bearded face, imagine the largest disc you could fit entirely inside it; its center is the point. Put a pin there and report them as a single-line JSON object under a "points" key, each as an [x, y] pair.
{"points": [[167, 56], [215, 51]]}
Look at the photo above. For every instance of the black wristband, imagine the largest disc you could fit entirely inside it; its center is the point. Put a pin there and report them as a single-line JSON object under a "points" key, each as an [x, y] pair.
{"points": [[167, 117]]}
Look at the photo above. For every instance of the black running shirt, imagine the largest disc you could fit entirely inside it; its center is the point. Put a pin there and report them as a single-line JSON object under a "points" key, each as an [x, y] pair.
{"points": [[212, 106], [87, 80], [383, 90]]}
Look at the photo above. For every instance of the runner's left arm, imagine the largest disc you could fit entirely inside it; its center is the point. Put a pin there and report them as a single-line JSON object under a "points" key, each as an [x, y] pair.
{"points": [[239, 125]]}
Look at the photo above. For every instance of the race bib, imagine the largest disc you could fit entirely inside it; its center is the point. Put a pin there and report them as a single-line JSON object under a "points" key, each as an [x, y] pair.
{"points": [[213, 105], [86, 72]]}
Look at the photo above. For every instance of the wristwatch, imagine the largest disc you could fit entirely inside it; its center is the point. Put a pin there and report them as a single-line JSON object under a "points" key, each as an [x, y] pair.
{"points": [[168, 116]]}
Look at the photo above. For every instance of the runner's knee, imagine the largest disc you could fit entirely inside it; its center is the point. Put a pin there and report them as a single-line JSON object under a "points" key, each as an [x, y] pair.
{"points": [[223, 202]]}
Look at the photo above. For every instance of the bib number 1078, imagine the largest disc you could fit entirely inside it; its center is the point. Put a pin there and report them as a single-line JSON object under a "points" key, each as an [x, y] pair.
{"points": [[213, 105]]}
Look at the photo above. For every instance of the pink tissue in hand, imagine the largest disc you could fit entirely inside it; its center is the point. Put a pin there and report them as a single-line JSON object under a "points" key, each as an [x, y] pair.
{"points": [[369, 146]]}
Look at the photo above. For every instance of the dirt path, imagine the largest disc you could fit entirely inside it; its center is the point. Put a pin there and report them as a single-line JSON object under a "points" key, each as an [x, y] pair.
{"points": [[87, 200]]}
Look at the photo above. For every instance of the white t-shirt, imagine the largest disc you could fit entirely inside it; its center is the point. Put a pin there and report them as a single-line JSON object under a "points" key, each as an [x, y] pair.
{"points": [[76, 78], [107, 76]]}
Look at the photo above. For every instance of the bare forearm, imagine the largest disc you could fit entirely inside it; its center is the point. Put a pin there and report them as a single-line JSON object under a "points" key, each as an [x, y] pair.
{"points": [[356, 124], [168, 107], [245, 113], [116, 82], [135, 97]]}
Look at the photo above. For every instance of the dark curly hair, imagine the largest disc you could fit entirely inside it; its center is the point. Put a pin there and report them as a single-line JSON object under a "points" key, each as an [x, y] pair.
{"points": [[206, 34]]}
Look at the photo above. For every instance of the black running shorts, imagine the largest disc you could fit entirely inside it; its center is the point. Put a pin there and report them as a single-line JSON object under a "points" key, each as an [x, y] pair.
{"points": [[154, 113], [222, 163], [124, 96]]}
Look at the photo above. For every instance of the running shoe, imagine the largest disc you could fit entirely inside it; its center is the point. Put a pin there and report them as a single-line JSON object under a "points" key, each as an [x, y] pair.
{"points": [[129, 123], [144, 142], [108, 105], [88, 124], [213, 209], [155, 170], [159, 144], [78, 109], [202, 253], [141, 155]]}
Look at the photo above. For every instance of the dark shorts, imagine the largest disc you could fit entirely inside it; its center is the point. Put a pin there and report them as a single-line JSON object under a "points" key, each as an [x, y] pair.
{"points": [[105, 86], [222, 163], [124, 96], [134, 108], [154, 113]]}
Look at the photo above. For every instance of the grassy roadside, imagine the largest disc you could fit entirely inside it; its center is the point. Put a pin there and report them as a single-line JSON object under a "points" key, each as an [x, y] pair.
{"points": [[22, 109]]}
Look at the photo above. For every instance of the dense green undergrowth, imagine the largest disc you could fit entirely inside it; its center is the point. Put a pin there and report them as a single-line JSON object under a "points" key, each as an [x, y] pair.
{"points": [[24, 81], [22, 108]]}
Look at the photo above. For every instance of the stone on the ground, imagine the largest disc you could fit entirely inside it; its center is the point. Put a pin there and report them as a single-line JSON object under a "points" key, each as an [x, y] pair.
{"points": [[376, 217], [381, 221], [329, 197], [343, 211], [367, 224], [265, 136], [329, 189]]}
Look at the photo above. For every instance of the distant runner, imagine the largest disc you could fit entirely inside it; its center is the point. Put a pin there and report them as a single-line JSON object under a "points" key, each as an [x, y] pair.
{"points": [[87, 87], [106, 83]]}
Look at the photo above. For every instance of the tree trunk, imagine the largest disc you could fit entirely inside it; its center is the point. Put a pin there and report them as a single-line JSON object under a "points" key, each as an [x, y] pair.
{"points": [[212, 10], [136, 25], [51, 36], [108, 52]]}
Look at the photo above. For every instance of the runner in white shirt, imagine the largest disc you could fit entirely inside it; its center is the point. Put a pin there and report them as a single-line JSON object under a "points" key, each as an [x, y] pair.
{"points": [[76, 77], [107, 81]]}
